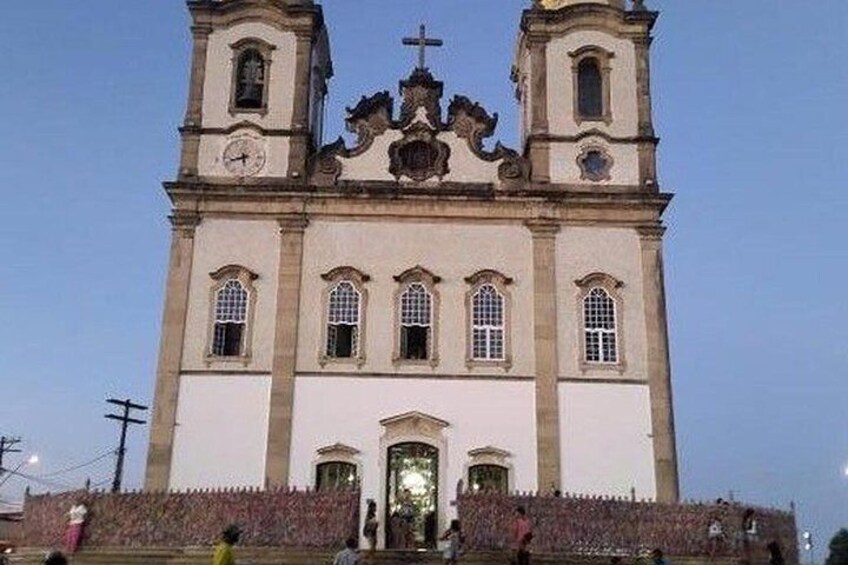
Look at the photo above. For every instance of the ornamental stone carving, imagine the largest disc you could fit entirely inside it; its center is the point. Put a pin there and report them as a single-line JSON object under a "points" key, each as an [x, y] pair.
{"points": [[419, 155]]}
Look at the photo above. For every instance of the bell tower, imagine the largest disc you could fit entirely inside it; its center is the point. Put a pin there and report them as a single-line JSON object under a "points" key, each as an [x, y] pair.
{"points": [[583, 82], [259, 77]]}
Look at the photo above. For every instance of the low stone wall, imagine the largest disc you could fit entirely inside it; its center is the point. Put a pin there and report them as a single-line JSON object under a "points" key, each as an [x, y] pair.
{"points": [[596, 526], [278, 518]]}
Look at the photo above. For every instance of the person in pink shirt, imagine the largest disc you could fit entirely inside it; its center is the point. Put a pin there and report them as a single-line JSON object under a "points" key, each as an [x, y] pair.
{"points": [[522, 535]]}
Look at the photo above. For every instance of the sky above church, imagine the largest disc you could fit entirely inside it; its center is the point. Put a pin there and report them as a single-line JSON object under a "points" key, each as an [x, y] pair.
{"points": [[749, 99]]}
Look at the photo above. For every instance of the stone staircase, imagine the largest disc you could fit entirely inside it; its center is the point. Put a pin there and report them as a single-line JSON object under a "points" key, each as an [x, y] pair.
{"points": [[274, 556]]}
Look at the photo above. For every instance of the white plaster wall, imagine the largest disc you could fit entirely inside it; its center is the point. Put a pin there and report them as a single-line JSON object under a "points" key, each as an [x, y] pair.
{"points": [[221, 432], [465, 166], [374, 163], [605, 437], [328, 410], [565, 169], [253, 244], [386, 249], [219, 73], [210, 161], [614, 251], [623, 90]]}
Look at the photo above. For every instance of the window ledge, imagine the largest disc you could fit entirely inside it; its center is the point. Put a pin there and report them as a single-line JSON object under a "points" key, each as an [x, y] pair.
{"points": [[589, 367], [212, 359], [238, 111], [505, 364], [399, 361], [606, 119], [324, 360]]}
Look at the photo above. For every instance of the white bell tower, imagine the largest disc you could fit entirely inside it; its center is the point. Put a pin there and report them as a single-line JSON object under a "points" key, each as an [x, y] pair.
{"points": [[258, 82], [583, 82]]}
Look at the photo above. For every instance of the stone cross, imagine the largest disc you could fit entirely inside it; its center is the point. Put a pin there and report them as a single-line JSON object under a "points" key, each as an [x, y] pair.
{"points": [[422, 42]]}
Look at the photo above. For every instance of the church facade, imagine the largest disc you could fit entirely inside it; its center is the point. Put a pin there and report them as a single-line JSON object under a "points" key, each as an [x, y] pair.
{"points": [[416, 309]]}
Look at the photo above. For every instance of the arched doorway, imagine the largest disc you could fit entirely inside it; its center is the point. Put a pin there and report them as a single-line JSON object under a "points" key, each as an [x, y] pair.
{"points": [[412, 495]]}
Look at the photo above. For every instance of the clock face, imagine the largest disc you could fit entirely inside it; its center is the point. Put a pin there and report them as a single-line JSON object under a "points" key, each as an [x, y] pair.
{"points": [[244, 157]]}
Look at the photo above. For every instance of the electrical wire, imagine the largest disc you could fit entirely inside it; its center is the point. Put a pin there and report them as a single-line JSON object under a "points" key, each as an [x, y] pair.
{"points": [[77, 467], [43, 482]]}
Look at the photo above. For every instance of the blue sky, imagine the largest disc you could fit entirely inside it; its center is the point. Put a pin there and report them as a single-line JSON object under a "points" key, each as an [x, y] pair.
{"points": [[750, 104]]}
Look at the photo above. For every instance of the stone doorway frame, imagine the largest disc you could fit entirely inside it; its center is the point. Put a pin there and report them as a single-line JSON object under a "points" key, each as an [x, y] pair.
{"points": [[412, 427]]}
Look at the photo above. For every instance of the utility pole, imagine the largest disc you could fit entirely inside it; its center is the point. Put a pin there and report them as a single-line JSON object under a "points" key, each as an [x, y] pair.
{"points": [[7, 445], [125, 420]]}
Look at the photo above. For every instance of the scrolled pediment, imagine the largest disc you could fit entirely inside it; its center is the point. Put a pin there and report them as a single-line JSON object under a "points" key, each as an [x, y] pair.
{"points": [[416, 274], [420, 144], [233, 271], [599, 279], [488, 276], [346, 272]]}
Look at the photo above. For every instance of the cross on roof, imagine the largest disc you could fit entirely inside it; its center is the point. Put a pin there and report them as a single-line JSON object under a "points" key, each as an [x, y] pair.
{"points": [[422, 42]]}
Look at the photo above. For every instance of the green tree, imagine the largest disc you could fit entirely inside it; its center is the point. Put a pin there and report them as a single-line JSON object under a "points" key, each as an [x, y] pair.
{"points": [[838, 548]]}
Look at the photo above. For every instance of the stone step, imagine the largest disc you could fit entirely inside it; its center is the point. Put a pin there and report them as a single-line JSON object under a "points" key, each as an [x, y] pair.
{"points": [[275, 556]]}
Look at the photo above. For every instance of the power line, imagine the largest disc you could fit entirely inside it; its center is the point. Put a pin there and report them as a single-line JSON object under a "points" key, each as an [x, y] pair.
{"points": [[43, 482], [80, 466]]}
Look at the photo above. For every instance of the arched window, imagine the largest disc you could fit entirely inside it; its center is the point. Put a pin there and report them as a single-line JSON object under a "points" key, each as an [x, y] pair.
{"points": [[487, 303], [416, 305], [416, 310], [343, 321], [335, 475], [250, 81], [489, 479], [487, 340], [590, 89], [591, 68], [251, 69], [344, 314], [601, 343], [230, 319], [232, 305]]}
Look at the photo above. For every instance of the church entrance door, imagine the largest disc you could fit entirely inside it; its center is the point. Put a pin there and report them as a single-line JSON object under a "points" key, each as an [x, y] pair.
{"points": [[412, 496]]}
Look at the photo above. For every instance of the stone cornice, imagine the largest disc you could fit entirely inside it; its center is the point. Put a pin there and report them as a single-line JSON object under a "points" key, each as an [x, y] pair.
{"points": [[184, 222], [293, 222], [539, 24], [265, 187], [543, 227], [594, 132], [472, 201], [302, 18]]}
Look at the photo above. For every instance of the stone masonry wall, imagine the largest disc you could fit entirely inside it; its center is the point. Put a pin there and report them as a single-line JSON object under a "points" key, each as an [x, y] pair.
{"points": [[278, 518]]}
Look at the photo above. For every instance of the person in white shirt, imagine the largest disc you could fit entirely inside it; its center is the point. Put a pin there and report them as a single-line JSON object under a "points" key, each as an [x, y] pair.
{"points": [[349, 555], [76, 523]]}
